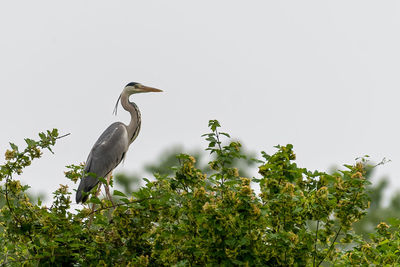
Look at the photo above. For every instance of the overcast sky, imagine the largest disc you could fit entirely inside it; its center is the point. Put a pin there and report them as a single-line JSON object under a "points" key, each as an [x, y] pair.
{"points": [[322, 75]]}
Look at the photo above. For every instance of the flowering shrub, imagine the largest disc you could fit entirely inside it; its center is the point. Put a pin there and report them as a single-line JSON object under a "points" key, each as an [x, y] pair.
{"points": [[300, 218]]}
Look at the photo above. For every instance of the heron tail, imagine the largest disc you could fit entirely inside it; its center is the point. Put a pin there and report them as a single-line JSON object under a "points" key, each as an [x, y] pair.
{"points": [[87, 183]]}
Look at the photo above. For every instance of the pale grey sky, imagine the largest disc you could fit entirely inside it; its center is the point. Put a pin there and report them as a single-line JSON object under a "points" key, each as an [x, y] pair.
{"points": [[322, 75]]}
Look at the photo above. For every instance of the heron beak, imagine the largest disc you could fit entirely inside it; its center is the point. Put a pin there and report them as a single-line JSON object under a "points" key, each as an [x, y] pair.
{"points": [[146, 89]]}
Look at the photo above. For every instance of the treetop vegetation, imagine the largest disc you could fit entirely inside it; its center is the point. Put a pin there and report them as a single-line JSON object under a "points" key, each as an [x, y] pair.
{"points": [[196, 217]]}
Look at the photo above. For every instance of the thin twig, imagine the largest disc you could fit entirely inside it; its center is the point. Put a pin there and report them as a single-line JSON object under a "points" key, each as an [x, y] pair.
{"points": [[120, 204], [13, 213], [220, 150], [9, 204], [315, 245], [94, 205], [316, 232], [331, 246], [334, 240], [62, 136], [337, 234], [6, 263], [219, 142], [284, 228]]}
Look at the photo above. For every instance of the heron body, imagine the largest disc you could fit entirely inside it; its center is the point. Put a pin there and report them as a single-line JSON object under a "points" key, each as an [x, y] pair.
{"points": [[112, 145]]}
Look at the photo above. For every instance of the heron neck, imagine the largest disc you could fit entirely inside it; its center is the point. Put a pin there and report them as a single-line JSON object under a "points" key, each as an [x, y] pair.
{"points": [[135, 115]]}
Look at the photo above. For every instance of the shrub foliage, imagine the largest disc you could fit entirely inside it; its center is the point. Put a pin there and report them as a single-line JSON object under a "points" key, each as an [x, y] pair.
{"points": [[299, 218]]}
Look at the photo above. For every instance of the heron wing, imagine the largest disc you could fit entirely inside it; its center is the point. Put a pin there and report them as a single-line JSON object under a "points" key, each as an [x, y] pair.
{"points": [[106, 154]]}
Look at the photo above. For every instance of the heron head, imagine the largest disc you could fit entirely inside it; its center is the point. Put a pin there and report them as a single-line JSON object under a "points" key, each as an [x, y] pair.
{"points": [[135, 88]]}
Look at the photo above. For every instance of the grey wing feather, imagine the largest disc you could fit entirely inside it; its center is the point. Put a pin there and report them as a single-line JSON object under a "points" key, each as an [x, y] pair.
{"points": [[106, 154]]}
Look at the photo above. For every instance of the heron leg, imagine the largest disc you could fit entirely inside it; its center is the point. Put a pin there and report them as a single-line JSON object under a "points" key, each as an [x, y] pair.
{"points": [[107, 188]]}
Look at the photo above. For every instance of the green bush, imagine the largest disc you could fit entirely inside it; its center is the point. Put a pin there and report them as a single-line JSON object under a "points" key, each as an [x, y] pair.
{"points": [[188, 218]]}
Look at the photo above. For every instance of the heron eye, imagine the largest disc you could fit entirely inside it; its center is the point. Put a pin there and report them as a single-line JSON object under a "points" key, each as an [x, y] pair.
{"points": [[133, 84]]}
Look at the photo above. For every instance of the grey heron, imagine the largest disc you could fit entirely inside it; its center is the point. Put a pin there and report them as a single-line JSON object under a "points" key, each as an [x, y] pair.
{"points": [[112, 145]]}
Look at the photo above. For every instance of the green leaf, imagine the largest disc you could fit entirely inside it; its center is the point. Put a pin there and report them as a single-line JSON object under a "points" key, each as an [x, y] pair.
{"points": [[213, 124], [118, 193], [42, 136], [383, 242], [95, 200], [30, 142], [14, 147], [101, 179], [227, 135], [125, 200], [54, 132]]}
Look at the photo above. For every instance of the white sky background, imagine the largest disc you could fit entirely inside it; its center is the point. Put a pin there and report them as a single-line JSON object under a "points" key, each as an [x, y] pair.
{"points": [[322, 75]]}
